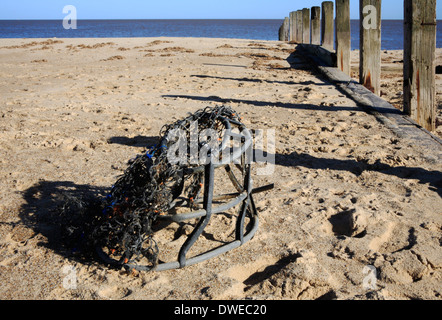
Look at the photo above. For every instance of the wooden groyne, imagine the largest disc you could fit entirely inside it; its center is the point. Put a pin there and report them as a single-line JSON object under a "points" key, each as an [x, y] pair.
{"points": [[326, 32]]}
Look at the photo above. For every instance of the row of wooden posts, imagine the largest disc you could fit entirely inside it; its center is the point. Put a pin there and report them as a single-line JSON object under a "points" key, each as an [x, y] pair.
{"points": [[331, 31]]}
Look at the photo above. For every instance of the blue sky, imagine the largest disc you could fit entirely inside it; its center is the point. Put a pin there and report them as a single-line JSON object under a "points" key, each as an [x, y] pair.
{"points": [[177, 9]]}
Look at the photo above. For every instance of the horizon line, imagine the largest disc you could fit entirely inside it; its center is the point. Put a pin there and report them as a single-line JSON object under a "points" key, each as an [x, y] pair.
{"points": [[61, 19]]}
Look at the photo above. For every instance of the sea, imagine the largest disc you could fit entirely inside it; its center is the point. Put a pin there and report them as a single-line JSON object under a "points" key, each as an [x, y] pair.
{"points": [[392, 30]]}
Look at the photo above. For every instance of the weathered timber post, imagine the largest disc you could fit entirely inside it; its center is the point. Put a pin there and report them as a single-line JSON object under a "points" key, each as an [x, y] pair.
{"points": [[286, 30], [419, 61], [292, 26], [328, 25], [299, 26], [306, 25], [280, 33], [283, 30], [370, 45], [343, 36], [295, 26], [316, 26]]}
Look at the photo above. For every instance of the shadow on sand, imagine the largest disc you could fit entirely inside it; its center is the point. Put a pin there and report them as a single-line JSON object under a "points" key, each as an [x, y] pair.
{"points": [[60, 211]]}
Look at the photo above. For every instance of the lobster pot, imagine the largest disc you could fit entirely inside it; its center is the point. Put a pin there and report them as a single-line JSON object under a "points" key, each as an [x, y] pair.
{"points": [[206, 207]]}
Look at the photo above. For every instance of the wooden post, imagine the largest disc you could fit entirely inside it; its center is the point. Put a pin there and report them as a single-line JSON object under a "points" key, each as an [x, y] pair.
{"points": [[316, 26], [299, 26], [370, 45], [328, 26], [419, 61], [292, 26], [343, 36], [306, 25], [295, 26], [284, 30]]}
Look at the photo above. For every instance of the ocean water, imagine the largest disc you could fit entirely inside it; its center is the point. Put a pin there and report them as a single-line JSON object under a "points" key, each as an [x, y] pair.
{"points": [[392, 30]]}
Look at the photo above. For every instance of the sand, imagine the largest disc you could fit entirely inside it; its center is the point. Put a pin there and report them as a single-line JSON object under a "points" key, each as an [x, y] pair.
{"points": [[355, 212]]}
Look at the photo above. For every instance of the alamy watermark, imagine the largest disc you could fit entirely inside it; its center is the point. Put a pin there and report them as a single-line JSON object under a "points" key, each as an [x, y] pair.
{"points": [[369, 282], [194, 147], [70, 278], [370, 20], [70, 21]]}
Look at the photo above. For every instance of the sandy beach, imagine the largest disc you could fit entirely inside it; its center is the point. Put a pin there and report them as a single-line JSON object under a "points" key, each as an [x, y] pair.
{"points": [[355, 212]]}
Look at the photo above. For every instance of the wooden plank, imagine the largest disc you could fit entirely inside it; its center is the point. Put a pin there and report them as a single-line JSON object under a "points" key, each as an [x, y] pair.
{"points": [[299, 26], [285, 27], [370, 45], [328, 25], [306, 25], [343, 36], [324, 56], [316, 26], [419, 61], [284, 30], [280, 33], [292, 26]]}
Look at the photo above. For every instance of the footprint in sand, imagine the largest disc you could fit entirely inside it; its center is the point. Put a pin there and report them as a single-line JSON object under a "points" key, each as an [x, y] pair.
{"points": [[241, 273], [114, 292]]}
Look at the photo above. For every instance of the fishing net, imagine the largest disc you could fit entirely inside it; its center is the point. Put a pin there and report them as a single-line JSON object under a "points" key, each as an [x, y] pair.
{"points": [[174, 181]]}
